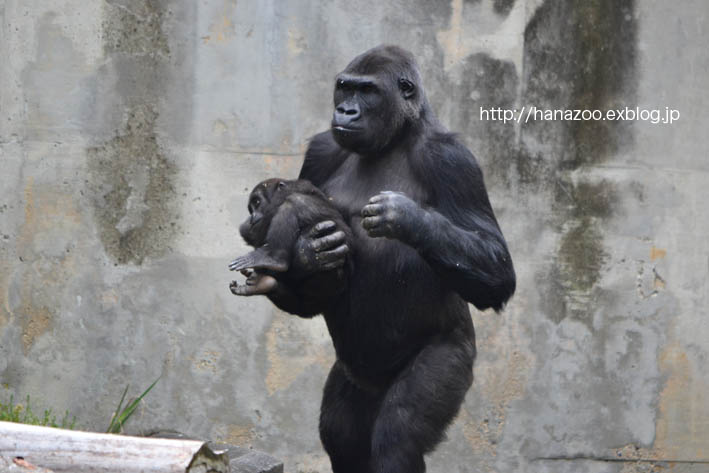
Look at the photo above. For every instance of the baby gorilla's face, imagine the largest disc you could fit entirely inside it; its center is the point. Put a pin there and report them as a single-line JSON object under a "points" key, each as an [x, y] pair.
{"points": [[262, 202]]}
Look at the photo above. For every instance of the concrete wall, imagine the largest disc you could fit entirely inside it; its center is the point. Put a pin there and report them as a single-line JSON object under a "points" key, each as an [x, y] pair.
{"points": [[131, 132]]}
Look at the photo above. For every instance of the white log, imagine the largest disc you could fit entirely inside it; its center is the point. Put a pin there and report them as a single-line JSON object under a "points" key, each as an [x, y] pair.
{"points": [[68, 450], [19, 466]]}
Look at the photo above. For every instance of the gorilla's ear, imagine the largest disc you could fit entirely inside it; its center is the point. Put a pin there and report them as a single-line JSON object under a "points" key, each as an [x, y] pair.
{"points": [[408, 90]]}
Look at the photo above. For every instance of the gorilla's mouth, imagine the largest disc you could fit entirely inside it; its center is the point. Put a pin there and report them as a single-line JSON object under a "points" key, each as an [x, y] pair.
{"points": [[345, 129]]}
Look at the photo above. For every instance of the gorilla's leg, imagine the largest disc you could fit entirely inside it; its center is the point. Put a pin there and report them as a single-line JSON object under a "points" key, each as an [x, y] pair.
{"points": [[346, 418], [421, 403]]}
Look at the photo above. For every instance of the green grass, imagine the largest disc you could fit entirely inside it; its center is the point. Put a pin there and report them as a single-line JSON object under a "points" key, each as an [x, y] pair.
{"points": [[23, 414], [122, 414]]}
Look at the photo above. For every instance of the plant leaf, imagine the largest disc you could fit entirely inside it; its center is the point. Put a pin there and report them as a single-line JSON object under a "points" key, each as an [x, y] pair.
{"points": [[114, 428], [120, 417]]}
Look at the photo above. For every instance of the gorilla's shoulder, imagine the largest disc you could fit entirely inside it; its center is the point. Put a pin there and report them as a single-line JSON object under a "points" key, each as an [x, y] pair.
{"points": [[322, 157], [444, 156], [322, 144]]}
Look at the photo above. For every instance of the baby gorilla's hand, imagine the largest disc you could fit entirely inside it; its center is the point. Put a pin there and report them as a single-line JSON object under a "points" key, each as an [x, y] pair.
{"points": [[256, 284]]}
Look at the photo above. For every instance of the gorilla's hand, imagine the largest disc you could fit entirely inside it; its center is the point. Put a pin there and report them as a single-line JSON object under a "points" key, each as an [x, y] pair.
{"points": [[321, 249], [393, 215]]}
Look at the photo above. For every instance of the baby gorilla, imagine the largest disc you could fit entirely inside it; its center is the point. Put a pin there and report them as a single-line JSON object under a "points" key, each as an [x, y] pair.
{"points": [[280, 211]]}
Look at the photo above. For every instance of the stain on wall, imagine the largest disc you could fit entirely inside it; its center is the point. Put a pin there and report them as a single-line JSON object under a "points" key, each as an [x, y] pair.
{"points": [[47, 263], [290, 351], [581, 255], [503, 7], [683, 410], [132, 184], [578, 56], [488, 83], [132, 180], [4, 307], [135, 28]]}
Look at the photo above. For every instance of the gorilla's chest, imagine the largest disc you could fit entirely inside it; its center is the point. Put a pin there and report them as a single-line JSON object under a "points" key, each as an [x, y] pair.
{"points": [[356, 181], [350, 189]]}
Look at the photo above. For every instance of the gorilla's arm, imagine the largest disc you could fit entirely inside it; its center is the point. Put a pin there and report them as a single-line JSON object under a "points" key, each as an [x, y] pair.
{"points": [[311, 295], [289, 301], [322, 158], [325, 248], [321, 254], [457, 234]]}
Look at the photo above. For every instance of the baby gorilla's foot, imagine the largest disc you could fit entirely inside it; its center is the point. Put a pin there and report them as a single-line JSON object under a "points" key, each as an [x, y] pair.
{"points": [[256, 284]]}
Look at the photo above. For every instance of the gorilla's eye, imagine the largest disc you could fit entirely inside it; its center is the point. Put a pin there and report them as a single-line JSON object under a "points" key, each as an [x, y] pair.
{"points": [[406, 86], [281, 185], [255, 202], [340, 83]]}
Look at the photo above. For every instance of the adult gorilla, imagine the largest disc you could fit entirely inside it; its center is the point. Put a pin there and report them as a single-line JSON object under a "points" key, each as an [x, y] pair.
{"points": [[425, 242]]}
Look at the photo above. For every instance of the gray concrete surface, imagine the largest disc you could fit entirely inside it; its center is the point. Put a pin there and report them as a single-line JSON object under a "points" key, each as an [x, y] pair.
{"points": [[130, 133]]}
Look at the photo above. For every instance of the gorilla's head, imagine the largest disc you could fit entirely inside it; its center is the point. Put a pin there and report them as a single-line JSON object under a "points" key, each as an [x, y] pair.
{"points": [[378, 97], [264, 201]]}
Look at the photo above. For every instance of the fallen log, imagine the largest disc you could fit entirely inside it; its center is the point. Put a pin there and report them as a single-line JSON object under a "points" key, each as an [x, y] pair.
{"points": [[67, 450], [19, 465]]}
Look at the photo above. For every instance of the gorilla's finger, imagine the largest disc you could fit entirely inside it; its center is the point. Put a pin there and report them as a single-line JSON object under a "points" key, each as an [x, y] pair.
{"points": [[245, 291], [239, 291], [329, 242], [247, 271], [371, 222], [372, 209], [334, 256], [333, 265], [333, 259], [322, 228], [377, 198]]}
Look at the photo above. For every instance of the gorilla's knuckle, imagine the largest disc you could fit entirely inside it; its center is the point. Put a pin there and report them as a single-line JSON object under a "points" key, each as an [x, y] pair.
{"points": [[338, 236], [303, 258]]}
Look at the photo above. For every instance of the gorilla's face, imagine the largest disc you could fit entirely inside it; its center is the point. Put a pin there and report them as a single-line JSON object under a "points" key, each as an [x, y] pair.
{"points": [[361, 110], [263, 201], [374, 98]]}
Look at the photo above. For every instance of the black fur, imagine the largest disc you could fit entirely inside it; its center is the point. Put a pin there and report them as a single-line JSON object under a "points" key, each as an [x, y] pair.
{"points": [[425, 243]]}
